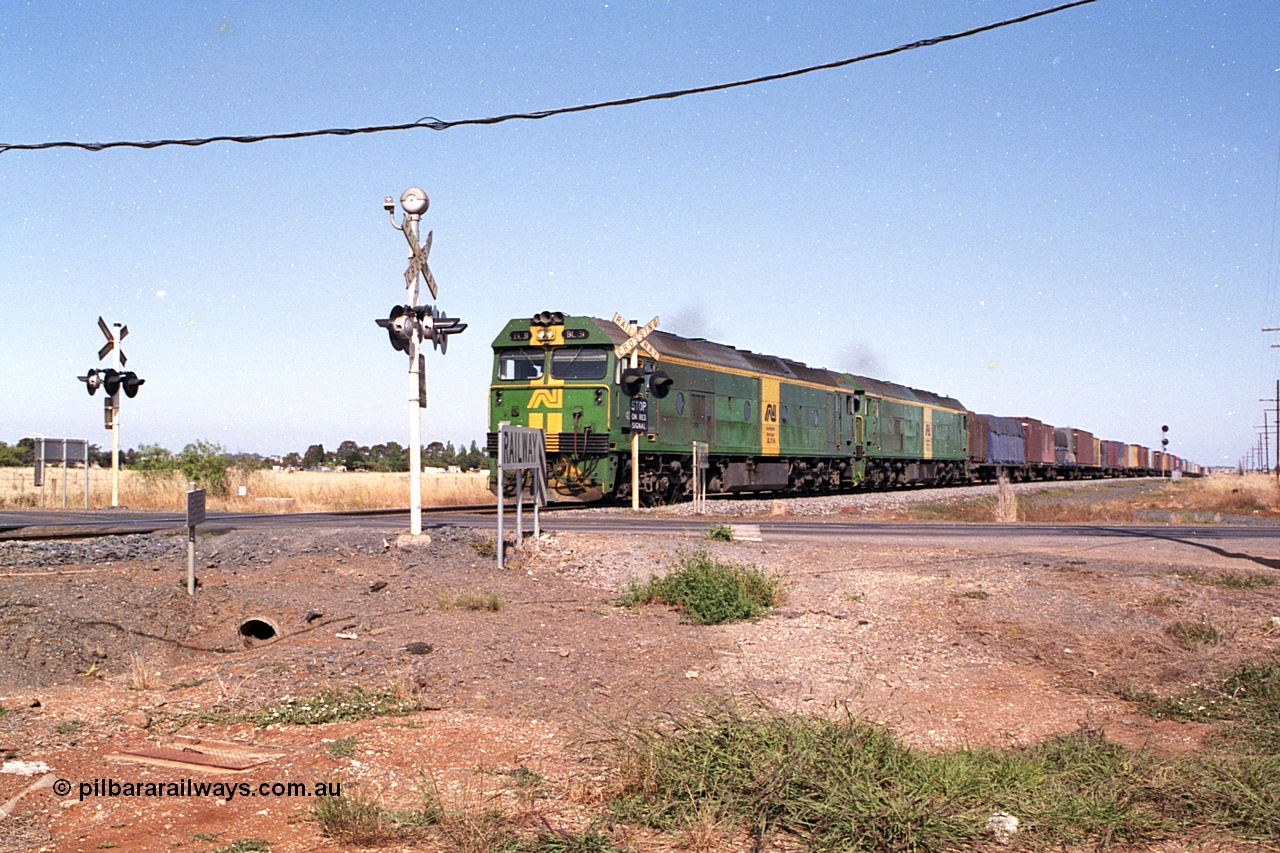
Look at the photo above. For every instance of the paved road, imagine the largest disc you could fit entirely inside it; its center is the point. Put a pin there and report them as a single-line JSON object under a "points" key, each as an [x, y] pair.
{"points": [[73, 524]]}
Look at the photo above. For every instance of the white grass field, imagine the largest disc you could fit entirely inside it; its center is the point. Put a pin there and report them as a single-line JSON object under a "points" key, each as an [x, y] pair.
{"points": [[265, 491]]}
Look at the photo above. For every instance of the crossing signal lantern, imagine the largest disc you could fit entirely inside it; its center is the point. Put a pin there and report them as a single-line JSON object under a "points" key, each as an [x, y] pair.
{"points": [[632, 381], [131, 383], [112, 381], [405, 321], [92, 381], [1164, 442], [659, 383], [399, 326]]}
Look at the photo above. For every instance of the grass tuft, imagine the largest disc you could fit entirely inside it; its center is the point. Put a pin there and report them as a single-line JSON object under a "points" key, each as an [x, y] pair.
{"points": [[242, 845], [850, 786], [1191, 634], [720, 533], [470, 601], [709, 591], [343, 747]]}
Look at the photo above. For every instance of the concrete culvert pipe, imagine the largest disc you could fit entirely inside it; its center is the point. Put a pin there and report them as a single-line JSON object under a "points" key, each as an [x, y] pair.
{"points": [[259, 629]]}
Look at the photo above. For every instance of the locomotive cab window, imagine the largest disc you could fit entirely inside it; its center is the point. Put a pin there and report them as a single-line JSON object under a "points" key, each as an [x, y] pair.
{"points": [[579, 363], [520, 365]]}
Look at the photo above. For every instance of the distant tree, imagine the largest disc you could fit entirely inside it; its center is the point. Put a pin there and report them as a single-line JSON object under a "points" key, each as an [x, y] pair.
{"points": [[250, 462], [154, 461], [27, 451], [99, 457], [205, 463], [474, 457], [396, 458], [314, 457], [450, 455], [291, 460], [433, 455], [10, 457]]}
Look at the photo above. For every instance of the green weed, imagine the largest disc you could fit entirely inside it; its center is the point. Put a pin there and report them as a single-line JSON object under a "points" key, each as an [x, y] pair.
{"points": [[850, 786], [720, 533], [709, 591], [244, 845], [484, 546], [343, 747]]}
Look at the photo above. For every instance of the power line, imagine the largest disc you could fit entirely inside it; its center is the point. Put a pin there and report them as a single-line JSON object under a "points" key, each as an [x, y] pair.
{"points": [[432, 123]]}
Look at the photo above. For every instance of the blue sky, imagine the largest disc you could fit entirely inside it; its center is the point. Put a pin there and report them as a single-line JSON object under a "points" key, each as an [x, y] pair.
{"points": [[1073, 218]]}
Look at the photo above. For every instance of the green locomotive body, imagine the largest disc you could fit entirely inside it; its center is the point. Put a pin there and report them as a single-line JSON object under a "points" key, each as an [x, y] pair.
{"points": [[770, 424]]}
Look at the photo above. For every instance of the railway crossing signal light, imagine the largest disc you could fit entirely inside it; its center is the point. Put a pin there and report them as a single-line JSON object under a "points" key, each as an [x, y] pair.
{"points": [[660, 383], [112, 380], [92, 381], [400, 326], [131, 383], [437, 328], [632, 381], [406, 321]]}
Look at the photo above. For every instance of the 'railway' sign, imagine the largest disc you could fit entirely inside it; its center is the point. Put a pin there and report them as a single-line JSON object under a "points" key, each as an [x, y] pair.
{"points": [[635, 337]]}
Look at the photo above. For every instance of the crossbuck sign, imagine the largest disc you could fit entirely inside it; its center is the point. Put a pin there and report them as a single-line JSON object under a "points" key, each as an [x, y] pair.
{"points": [[636, 335]]}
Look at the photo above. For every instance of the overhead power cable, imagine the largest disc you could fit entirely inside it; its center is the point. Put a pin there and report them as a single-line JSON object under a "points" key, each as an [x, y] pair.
{"points": [[432, 123]]}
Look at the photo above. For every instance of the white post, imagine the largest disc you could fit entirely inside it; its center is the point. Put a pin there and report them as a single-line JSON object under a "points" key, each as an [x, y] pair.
{"points": [[115, 422], [635, 450], [415, 443], [415, 402]]}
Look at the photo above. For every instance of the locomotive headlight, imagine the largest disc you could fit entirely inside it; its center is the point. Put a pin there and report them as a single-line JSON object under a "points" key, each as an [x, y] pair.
{"points": [[599, 396], [497, 397]]}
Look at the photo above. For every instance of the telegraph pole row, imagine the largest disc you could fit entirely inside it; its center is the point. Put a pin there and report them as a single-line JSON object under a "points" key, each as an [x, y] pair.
{"points": [[1275, 400]]}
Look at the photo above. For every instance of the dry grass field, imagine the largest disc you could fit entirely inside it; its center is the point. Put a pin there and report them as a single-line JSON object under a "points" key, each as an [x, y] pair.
{"points": [[264, 491]]}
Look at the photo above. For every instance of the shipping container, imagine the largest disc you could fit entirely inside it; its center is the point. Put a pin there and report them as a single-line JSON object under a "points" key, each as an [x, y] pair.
{"points": [[978, 438], [1064, 447], [1083, 447], [1112, 455], [1039, 442]]}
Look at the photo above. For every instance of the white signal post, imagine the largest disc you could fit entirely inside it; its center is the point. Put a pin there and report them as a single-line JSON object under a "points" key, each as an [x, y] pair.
{"points": [[408, 326], [114, 336], [636, 335]]}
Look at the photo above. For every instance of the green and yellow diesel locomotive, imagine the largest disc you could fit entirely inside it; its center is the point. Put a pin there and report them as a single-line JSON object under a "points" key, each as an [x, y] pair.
{"points": [[771, 424]]}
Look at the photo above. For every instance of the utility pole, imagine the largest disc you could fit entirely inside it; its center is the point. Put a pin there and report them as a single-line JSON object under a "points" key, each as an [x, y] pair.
{"points": [[408, 325], [1275, 400]]}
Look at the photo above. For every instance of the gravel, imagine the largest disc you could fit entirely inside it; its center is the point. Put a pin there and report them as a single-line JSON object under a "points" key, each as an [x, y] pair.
{"points": [[888, 501]]}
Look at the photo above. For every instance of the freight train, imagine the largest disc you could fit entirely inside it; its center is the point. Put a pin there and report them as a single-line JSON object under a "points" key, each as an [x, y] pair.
{"points": [[770, 424]]}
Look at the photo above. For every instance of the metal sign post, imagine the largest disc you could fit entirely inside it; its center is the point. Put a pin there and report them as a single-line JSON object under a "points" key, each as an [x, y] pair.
{"points": [[636, 335], [408, 325], [195, 515], [62, 450], [520, 449]]}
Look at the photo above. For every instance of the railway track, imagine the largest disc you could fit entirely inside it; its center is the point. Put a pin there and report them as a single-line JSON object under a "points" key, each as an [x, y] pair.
{"points": [[38, 526]]}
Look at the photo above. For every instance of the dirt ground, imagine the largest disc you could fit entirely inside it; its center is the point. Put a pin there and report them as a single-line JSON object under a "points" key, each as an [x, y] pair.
{"points": [[998, 642]]}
